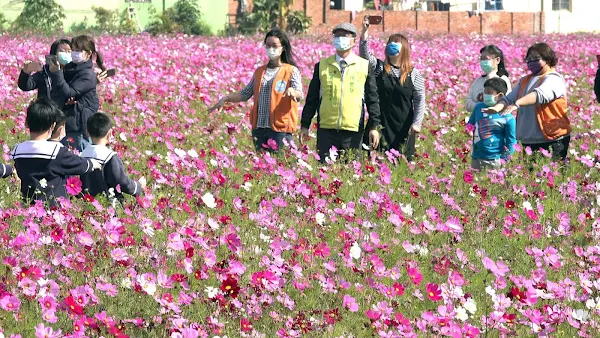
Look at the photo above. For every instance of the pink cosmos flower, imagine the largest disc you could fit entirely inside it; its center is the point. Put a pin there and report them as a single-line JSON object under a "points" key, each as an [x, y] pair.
{"points": [[41, 331], [350, 303], [498, 269], [73, 185], [10, 303]]}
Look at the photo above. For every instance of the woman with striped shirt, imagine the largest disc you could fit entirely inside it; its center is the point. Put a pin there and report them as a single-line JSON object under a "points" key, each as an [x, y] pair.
{"points": [[401, 92], [276, 88]]}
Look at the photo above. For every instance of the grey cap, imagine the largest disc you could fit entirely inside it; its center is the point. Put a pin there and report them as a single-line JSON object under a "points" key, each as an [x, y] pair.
{"points": [[346, 26]]}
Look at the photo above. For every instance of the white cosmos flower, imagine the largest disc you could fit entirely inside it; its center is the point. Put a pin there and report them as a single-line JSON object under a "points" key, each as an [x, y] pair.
{"points": [[43, 183], [209, 200], [355, 251]]}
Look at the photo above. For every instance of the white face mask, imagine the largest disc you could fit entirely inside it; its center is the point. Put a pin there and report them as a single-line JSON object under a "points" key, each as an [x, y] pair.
{"points": [[273, 53], [342, 43], [78, 57]]}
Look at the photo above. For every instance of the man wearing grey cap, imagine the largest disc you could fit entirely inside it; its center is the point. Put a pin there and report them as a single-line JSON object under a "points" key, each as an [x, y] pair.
{"points": [[341, 85]]}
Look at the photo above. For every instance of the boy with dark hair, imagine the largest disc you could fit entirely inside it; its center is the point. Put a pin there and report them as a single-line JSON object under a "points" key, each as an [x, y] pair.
{"points": [[494, 136], [42, 165], [112, 180]]}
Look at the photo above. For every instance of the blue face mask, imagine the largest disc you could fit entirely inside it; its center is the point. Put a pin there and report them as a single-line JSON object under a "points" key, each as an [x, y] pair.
{"points": [[392, 49], [489, 100], [64, 58]]}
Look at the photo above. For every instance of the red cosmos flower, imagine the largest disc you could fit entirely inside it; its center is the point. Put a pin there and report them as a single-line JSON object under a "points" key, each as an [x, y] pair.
{"points": [[73, 306], [331, 316], [399, 289], [515, 293], [230, 287], [73, 185], [246, 325], [414, 275], [89, 198], [433, 292], [509, 317], [509, 204], [178, 277], [189, 252]]}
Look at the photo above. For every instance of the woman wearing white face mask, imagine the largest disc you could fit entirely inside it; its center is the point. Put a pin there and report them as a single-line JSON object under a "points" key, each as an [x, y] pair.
{"points": [[276, 88], [401, 91], [78, 83], [34, 76], [491, 61]]}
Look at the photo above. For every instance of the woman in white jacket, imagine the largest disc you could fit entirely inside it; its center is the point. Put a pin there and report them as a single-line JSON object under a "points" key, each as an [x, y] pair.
{"points": [[492, 65]]}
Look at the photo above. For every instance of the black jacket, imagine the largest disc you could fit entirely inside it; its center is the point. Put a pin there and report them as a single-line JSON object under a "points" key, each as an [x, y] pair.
{"points": [[42, 82], [78, 81], [313, 100], [597, 85]]}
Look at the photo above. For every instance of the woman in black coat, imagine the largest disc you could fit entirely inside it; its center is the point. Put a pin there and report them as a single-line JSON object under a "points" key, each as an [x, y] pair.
{"points": [[78, 83], [34, 76]]}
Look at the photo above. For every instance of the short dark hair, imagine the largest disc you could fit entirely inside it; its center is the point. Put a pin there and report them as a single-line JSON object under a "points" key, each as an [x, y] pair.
{"points": [[98, 125], [57, 43], [497, 84], [41, 114], [543, 51]]}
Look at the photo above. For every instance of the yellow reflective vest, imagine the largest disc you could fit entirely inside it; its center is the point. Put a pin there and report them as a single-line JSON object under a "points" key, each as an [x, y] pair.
{"points": [[342, 98]]}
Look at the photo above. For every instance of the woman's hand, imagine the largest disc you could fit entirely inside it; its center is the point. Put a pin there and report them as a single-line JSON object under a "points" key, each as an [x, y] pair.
{"points": [[292, 93], [304, 136], [71, 101], [508, 109], [480, 97], [365, 28], [30, 67], [415, 129], [101, 76], [218, 105]]}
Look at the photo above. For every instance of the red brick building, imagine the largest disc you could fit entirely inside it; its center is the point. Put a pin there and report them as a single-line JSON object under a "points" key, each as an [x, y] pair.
{"points": [[499, 22]]}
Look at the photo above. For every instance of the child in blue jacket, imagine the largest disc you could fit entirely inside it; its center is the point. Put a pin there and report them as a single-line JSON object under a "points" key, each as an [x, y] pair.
{"points": [[495, 135]]}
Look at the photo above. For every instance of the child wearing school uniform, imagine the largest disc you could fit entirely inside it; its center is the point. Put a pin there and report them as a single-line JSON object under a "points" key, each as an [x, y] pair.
{"points": [[43, 165], [494, 136], [112, 179]]}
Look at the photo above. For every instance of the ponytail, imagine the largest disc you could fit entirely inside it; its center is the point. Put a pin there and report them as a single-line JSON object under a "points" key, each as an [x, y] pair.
{"points": [[100, 61]]}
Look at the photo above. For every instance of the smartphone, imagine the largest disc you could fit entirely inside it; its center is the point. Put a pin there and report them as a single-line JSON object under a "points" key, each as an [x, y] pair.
{"points": [[51, 59], [598, 59], [111, 72], [375, 19]]}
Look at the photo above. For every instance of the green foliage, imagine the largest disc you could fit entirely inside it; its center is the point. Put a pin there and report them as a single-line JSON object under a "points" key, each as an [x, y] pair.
{"points": [[106, 19], [184, 17], [298, 22], [45, 16], [3, 22], [268, 14], [126, 24], [78, 28]]}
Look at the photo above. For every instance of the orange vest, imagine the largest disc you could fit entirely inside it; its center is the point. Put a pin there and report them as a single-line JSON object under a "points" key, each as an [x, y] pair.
{"points": [[552, 117], [284, 110]]}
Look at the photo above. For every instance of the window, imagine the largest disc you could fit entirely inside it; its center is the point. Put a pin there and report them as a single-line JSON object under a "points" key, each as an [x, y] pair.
{"points": [[559, 5], [493, 5]]}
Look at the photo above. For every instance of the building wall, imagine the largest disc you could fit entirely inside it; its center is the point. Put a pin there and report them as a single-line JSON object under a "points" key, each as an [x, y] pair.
{"points": [[214, 11]]}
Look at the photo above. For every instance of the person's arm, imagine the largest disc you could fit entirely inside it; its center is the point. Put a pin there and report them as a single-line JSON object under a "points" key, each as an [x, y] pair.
{"points": [[552, 87], [418, 100], [296, 85], [5, 170], [69, 164], [28, 82], [81, 85], [372, 101], [313, 98], [243, 95], [114, 173], [363, 49], [508, 100], [510, 136], [471, 97], [597, 85]]}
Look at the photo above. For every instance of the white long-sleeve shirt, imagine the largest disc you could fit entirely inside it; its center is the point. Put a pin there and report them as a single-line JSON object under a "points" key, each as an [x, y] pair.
{"points": [[476, 89]]}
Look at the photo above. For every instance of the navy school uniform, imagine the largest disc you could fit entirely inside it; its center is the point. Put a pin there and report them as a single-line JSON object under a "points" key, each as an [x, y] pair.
{"points": [[43, 167], [111, 175], [6, 170]]}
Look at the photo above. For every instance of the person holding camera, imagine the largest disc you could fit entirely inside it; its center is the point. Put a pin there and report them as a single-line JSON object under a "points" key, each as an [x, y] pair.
{"points": [[401, 91], [77, 82]]}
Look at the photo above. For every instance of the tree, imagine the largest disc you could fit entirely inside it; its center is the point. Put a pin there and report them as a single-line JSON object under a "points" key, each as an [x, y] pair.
{"points": [[40, 16], [266, 14]]}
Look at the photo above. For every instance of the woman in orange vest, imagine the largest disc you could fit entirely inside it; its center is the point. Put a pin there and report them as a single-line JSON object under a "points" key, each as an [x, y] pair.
{"points": [[276, 88], [541, 105]]}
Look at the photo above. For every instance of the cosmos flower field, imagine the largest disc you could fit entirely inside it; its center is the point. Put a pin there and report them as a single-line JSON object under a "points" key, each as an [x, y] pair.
{"points": [[230, 242]]}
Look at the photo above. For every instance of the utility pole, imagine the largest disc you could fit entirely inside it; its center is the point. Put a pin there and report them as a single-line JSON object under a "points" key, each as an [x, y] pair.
{"points": [[164, 6]]}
